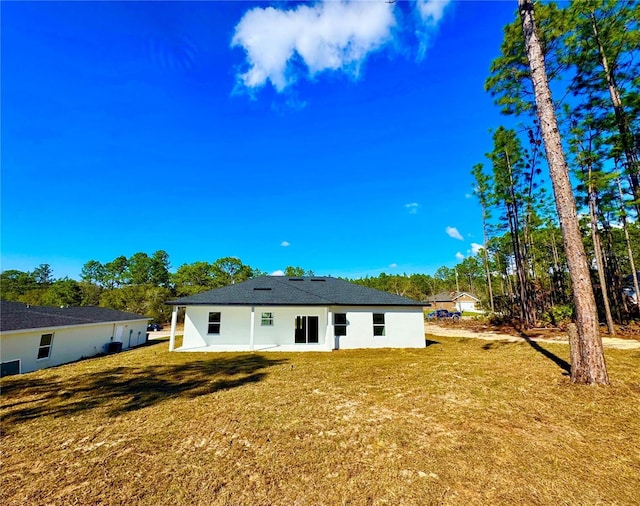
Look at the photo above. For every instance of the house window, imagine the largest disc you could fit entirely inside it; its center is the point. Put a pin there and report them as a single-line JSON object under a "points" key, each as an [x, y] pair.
{"points": [[306, 329], [214, 323], [9, 368], [44, 350], [340, 324], [378, 324], [266, 320]]}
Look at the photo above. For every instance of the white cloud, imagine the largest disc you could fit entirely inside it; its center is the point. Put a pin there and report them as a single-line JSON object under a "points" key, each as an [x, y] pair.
{"points": [[277, 273], [430, 13], [459, 256], [285, 244], [412, 207], [393, 266], [453, 232], [329, 35], [476, 248]]}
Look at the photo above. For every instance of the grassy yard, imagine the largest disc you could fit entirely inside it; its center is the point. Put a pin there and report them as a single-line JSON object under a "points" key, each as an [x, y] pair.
{"points": [[458, 422]]}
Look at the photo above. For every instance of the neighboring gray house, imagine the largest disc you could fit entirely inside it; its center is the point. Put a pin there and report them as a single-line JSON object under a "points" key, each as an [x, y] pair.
{"points": [[36, 337], [298, 314]]}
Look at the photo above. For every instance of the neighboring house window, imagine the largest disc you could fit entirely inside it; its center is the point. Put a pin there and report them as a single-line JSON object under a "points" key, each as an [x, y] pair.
{"points": [[44, 350], [214, 323], [340, 324], [267, 320], [378, 324]]}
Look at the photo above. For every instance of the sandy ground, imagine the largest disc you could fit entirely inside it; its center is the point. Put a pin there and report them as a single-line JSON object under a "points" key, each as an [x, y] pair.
{"points": [[437, 330]]}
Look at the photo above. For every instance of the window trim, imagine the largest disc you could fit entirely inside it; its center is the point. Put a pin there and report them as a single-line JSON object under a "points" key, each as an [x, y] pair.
{"points": [[379, 327], [45, 346], [266, 321], [214, 322]]}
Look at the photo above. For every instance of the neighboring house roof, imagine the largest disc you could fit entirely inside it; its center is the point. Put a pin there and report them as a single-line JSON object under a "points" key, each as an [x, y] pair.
{"points": [[450, 296], [292, 291], [19, 316]]}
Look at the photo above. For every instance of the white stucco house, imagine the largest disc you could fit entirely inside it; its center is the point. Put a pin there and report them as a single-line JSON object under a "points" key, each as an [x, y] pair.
{"points": [[36, 337], [282, 313]]}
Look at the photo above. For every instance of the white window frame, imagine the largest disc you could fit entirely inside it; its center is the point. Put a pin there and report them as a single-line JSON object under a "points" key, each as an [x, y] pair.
{"points": [[266, 319], [342, 326], [45, 346], [214, 322], [378, 325]]}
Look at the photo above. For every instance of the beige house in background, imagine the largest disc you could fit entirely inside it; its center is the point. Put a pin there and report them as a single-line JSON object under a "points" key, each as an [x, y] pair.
{"points": [[454, 301]]}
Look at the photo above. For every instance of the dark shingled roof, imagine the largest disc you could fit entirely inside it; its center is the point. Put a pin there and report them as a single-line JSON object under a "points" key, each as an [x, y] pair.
{"points": [[291, 291], [19, 316]]}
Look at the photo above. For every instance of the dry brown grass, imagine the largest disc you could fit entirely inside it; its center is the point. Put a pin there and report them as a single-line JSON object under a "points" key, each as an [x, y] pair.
{"points": [[459, 422]]}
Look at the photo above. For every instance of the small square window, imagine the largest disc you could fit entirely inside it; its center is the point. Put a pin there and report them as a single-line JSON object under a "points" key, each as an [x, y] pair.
{"points": [[266, 320], [44, 350], [214, 323]]}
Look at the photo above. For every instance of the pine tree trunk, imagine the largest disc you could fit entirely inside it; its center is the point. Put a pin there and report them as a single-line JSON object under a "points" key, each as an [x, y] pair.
{"points": [[629, 250], [590, 367], [486, 260], [597, 249]]}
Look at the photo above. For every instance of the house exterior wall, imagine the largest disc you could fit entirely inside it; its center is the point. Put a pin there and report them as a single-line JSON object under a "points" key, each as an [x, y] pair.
{"points": [[404, 328], [448, 305], [69, 343], [235, 328]]}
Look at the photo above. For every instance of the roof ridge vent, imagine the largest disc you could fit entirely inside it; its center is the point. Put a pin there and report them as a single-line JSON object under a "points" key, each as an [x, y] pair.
{"points": [[261, 288], [318, 279], [296, 279]]}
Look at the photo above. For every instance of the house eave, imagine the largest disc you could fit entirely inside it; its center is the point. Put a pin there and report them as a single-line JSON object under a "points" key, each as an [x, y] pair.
{"points": [[64, 327], [292, 304]]}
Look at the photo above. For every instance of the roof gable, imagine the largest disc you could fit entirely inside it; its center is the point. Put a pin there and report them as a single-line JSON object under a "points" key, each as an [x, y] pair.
{"points": [[19, 316], [295, 291], [450, 296], [457, 295]]}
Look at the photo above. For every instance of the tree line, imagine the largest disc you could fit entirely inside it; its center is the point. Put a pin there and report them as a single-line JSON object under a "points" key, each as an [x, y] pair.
{"points": [[590, 50], [140, 283]]}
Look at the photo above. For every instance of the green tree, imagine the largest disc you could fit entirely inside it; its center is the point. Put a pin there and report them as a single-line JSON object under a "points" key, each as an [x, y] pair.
{"points": [[230, 270], [194, 278], [139, 267], [43, 275], [93, 272], [602, 48], [63, 292], [482, 191], [160, 266], [296, 272], [588, 365]]}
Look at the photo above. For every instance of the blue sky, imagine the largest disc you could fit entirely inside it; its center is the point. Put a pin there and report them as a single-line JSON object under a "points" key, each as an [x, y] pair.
{"points": [[333, 136]]}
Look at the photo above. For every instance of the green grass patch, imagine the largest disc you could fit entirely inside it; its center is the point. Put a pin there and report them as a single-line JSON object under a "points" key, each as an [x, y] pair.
{"points": [[458, 422]]}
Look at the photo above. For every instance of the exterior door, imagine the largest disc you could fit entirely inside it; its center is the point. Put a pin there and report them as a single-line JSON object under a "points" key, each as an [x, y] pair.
{"points": [[118, 337], [306, 329]]}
